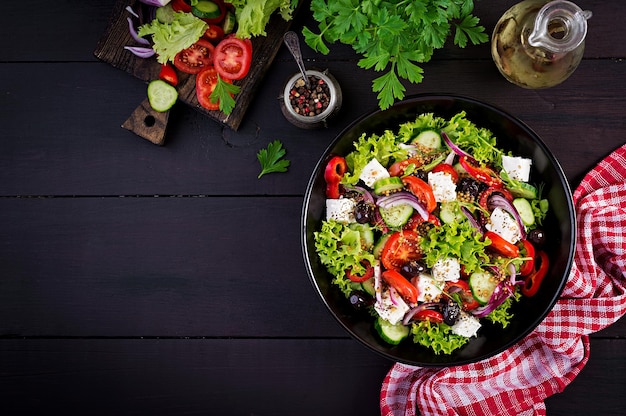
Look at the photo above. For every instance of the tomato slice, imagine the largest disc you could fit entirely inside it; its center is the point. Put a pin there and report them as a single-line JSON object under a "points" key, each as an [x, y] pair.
{"points": [[481, 173], [401, 248], [214, 34], [429, 315], [195, 58], [447, 168], [421, 190], [206, 81], [402, 286], [462, 289], [232, 58], [398, 168], [501, 246]]}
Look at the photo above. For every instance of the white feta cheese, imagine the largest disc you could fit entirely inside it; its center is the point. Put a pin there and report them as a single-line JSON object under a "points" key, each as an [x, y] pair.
{"points": [[466, 326], [428, 288], [517, 167], [340, 210], [387, 309], [446, 270], [442, 185], [372, 172], [503, 224]]}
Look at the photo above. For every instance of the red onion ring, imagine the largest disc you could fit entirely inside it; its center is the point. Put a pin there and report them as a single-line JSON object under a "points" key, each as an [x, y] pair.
{"points": [[498, 201], [133, 33], [414, 311], [456, 149], [140, 51], [403, 197]]}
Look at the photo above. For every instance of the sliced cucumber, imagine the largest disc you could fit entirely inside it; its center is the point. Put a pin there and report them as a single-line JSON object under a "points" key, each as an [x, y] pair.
{"points": [[429, 138], [368, 287], [524, 190], [397, 215], [229, 22], [206, 9], [165, 14], [449, 212], [525, 210], [482, 284], [366, 233], [380, 244], [162, 96], [386, 185], [392, 334]]}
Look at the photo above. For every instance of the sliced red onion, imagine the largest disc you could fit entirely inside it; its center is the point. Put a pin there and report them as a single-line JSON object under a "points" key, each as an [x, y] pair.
{"points": [[133, 33], [392, 295], [472, 219], [456, 149], [403, 197], [450, 158], [131, 11], [414, 311], [140, 51], [499, 295], [498, 201], [367, 196], [378, 284], [157, 3]]}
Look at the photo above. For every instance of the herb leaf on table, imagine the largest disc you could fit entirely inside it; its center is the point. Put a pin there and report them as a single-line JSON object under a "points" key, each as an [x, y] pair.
{"points": [[271, 158], [393, 36]]}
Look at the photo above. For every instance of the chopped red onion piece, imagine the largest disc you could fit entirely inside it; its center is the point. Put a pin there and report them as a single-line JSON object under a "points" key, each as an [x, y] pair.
{"points": [[472, 219], [156, 3], [140, 51], [133, 33], [450, 158], [131, 11], [456, 149]]}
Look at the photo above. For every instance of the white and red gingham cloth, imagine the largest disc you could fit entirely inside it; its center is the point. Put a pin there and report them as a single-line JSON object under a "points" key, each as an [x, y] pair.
{"points": [[516, 381]]}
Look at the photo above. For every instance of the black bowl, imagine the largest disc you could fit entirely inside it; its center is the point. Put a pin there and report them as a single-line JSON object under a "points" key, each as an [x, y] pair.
{"points": [[560, 227]]}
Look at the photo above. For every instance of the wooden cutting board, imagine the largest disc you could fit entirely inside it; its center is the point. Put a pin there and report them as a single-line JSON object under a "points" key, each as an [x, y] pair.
{"points": [[150, 124]]}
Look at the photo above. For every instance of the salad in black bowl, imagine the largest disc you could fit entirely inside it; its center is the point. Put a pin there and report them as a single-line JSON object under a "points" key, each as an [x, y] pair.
{"points": [[438, 232]]}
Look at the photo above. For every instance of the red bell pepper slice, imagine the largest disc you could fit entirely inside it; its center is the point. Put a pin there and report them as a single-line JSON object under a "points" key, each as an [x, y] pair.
{"points": [[369, 273], [533, 281], [502, 246], [335, 169], [481, 173], [528, 250]]}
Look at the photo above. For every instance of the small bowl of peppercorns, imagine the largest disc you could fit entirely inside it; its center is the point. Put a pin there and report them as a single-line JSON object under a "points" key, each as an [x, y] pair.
{"points": [[310, 108]]}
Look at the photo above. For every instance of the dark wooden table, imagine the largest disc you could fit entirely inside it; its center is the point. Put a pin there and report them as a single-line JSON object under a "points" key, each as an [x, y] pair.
{"points": [[138, 279]]}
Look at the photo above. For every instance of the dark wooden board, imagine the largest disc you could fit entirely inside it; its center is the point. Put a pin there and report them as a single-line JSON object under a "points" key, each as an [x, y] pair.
{"points": [[110, 49], [237, 377]]}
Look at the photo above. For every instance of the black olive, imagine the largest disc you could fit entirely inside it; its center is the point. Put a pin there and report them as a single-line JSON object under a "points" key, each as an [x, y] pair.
{"points": [[470, 186], [360, 300], [363, 212], [537, 237], [423, 175], [451, 312], [412, 268]]}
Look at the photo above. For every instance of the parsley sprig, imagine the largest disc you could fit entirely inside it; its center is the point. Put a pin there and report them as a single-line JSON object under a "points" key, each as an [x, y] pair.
{"points": [[271, 158], [393, 35], [223, 93]]}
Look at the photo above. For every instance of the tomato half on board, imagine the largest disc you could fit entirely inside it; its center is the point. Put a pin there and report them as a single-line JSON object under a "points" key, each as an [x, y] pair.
{"points": [[206, 81], [232, 58], [401, 248], [195, 58]]}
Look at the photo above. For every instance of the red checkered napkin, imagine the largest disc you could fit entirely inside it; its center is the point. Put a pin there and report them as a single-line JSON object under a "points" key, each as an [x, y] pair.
{"points": [[516, 381]]}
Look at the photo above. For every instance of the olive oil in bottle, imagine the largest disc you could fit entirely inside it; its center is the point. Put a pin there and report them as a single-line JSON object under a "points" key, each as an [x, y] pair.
{"points": [[539, 44]]}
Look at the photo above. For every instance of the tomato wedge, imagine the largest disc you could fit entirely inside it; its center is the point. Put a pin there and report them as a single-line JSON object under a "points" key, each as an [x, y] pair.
{"points": [[398, 168], [206, 81], [462, 289], [429, 315], [481, 173], [168, 74], [214, 34], [421, 190], [501, 246], [401, 248], [402, 286], [232, 58], [195, 58], [447, 168]]}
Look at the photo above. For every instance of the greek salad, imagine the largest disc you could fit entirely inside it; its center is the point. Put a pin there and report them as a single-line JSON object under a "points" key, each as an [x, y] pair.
{"points": [[434, 230]]}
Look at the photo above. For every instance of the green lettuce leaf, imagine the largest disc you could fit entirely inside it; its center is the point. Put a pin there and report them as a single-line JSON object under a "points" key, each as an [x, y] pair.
{"points": [[438, 337], [253, 15], [171, 38]]}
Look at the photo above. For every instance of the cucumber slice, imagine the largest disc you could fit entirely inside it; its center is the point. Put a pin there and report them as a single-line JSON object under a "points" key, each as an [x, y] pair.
{"points": [[392, 334], [206, 9], [366, 233], [482, 284], [386, 185], [525, 210], [229, 22], [449, 212], [380, 244], [524, 190], [368, 287], [396, 216], [162, 96], [429, 138]]}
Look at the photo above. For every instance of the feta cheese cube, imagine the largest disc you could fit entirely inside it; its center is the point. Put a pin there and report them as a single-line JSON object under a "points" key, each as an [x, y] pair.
{"points": [[340, 210], [372, 172], [466, 326], [387, 309], [517, 167], [447, 270], [442, 185], [429, 289], [503, 224]]}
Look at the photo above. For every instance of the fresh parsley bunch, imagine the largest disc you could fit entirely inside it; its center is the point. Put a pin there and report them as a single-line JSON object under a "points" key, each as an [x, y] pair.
{"points": [[393, 36]]}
